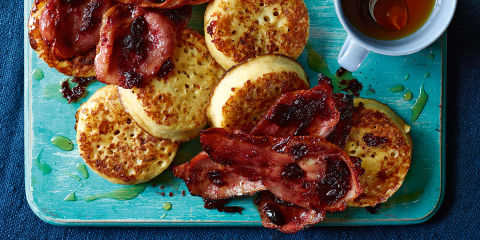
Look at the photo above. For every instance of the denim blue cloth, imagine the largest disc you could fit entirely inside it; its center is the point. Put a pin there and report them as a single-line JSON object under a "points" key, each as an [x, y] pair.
{"points": [[458, 217]]}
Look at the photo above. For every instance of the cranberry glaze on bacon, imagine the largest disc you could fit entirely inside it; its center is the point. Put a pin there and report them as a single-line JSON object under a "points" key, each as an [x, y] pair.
{"points": [[208, 179], [164, 4], [275, 212], [301, 113], [284, 216], [71, 28], [289, 104], [135, 43], [307, 171]]}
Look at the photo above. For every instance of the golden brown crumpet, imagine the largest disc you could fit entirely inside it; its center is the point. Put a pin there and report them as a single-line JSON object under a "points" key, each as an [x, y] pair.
{"points": [[382, 140], [237, 30], [246, 91], [174, 106], [69, 44], [114, 146]]}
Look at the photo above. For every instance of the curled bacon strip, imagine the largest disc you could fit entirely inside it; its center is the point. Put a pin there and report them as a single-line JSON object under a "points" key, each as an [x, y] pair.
{"points": [[211, 180], [134, 43], [284, 216], [309, 172], [301, 113], [164, 4], [71, 28]]}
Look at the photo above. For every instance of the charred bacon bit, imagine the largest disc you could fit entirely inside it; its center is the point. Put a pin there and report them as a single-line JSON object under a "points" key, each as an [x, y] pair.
{"points": [[330, 179], [135, 44], [284, 216], [374, 141], [71, 28], [340, 133], [300, 113], [208, 179], [220, 206], [77, 92]]}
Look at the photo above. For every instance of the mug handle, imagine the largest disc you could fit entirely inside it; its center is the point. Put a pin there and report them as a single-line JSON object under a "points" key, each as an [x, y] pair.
{"points": [[352, 55]]}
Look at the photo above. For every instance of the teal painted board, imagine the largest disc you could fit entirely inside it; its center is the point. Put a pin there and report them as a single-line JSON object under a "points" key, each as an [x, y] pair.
{"points": [[52, 177]]}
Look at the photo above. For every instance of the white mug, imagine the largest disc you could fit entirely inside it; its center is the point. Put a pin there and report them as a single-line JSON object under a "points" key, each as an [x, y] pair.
{"points": [[358, 45]]}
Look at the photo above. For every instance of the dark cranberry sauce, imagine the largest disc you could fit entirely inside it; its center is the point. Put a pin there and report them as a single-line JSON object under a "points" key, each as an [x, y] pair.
{"points": [[374, 141], [77, 92]]}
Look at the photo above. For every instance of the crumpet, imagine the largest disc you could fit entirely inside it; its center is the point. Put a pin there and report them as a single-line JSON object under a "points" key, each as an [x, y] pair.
{"points": [[114, 146], [382, 140], [237, 30], [247, 91]]}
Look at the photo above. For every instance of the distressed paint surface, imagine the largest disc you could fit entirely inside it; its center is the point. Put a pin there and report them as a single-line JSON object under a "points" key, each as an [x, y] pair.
{"points": [[47, 115]]}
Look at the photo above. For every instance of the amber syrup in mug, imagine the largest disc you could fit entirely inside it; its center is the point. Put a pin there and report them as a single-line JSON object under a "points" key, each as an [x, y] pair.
{"points": [[358, 13]]}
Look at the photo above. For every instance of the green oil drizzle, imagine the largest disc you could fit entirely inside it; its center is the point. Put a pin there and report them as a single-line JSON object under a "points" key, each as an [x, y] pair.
{"points": [[408, 96], [318, 63], [71, 197], [37, 74], [403, 199], [45, 168], [419, 104], [397, 88], [74, 176], [426, 75], [83, 170], [52, 91], [62, 142], [123, 193], [406, 77], [167, 206]]}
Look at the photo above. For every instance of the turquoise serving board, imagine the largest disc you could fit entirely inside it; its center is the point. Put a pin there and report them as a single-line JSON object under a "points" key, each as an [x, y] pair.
{"points": [[51, 173]]}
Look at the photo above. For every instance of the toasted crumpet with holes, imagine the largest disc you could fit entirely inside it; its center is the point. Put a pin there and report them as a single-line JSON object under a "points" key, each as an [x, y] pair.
{"points": [[237, 30], [114, 146], [382, 140], [79, 66], [246, 91], [173, 107]]}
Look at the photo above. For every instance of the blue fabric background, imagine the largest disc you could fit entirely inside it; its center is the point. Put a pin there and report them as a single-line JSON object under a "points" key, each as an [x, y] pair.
{"points": [[458, 217]]}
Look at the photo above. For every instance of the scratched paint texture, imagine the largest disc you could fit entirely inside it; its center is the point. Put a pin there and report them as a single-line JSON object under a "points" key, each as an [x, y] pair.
{"points": [[48, 115]]}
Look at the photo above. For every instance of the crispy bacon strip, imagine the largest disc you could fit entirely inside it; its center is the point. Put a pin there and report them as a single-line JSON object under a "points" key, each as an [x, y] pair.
{"points": [[201, 187], [164, 4], [72, 28], [301, 113], [307, 171], [284, 216], [135, 43], [211, 180]]}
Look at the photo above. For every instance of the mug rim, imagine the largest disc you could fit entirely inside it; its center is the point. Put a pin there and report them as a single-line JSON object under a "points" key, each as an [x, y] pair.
{"points": [[352, 32]]}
